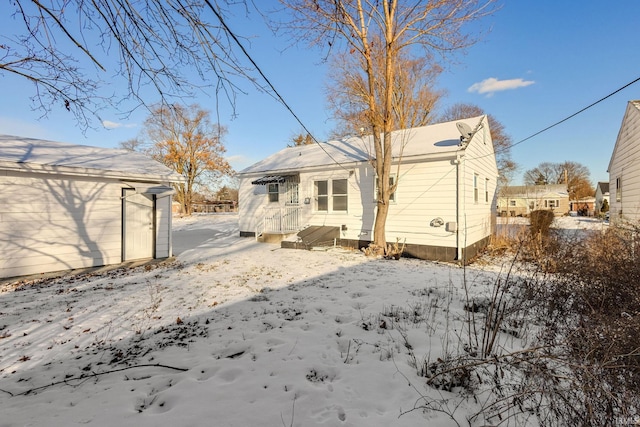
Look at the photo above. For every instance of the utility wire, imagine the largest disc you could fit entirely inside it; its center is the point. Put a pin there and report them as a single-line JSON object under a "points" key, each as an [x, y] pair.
{"points": [[286, 105], [275, 91], [571, 116]]}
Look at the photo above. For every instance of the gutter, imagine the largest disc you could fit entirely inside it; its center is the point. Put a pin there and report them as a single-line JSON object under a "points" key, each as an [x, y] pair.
{"points": [[88, 172]]}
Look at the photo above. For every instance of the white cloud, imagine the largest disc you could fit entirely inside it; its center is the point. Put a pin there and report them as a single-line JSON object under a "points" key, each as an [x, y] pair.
{"points": [[492, 85], [108, 124]]}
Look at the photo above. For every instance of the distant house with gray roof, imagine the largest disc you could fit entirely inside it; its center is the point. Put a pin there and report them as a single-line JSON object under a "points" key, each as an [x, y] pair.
{"points": [[521, 200], [66, 206], [443, 207]]}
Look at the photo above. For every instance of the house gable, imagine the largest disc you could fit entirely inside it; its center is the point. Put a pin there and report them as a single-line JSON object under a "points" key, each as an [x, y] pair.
{"points": [[624, 167]]}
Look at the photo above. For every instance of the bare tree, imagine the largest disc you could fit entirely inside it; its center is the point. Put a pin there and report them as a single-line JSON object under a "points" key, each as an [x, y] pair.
{"points": [[573, 174], [501, 140], [543, 174], [133, 144], [67, 48], [414, 95], [184, 139], [386, 28]]}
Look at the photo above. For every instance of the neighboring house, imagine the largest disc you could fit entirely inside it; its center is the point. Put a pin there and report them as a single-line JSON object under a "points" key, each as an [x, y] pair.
{"points": [[583, 207], [522, 200], [65, 206], [442, 208], [602, 194], [624, 168]]}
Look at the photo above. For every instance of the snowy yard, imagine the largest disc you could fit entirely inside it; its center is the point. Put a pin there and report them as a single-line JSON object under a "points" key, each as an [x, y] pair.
{"points": [[237, 333]]}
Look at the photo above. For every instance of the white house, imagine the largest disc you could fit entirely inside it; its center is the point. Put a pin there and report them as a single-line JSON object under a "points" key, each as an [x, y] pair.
{"points": [[624, 168], [443, 208], [521, 200], [602, 196], [65, 206]]}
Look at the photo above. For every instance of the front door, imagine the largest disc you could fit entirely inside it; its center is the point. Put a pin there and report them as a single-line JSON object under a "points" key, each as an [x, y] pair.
{"points": [[138, 226]]}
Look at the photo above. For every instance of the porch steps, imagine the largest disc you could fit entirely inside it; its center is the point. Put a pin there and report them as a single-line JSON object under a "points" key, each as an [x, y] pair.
{"points": [[314, 236]]}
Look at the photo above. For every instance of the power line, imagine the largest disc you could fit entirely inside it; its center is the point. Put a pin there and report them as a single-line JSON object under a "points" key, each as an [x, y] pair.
{"points": [[264, 77], [571, 116], [286, 105]]}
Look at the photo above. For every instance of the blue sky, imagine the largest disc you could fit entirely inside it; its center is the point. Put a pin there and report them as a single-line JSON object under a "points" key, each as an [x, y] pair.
{"points": [[537, 62]]}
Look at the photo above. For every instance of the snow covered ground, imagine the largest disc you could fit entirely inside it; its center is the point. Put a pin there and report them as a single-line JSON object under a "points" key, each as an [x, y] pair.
{"points": [[236, 333]]}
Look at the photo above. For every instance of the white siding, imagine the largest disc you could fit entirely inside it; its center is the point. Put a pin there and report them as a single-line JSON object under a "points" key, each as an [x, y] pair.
{"points": [[476, 217], [51, 223], [357, 224], [163, 227], [56, 224], [426, 191], [625, 165], [251, 201]]}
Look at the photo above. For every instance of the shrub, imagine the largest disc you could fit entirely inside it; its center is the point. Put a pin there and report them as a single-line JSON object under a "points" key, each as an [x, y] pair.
{"points": [[541, 222], [590, 312]]}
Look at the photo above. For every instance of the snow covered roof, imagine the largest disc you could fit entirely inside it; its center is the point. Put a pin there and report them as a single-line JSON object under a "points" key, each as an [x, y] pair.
{"points": [[48, 156], [536, 191], [441, 138]]}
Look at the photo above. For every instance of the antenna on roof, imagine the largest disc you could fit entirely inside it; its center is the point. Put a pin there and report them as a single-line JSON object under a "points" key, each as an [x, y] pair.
{"points": [[465, 131]]}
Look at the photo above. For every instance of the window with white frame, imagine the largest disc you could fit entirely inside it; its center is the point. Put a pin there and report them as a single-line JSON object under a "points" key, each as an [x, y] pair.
{"points": [[552, 204], [618, 189], [321, 189], [512, 202], [475, 188], [331, 195], [272, 191], [339, 194]]}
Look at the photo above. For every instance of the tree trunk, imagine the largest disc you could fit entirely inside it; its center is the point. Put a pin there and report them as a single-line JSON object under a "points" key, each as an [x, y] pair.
{"points": [[379, 227]]}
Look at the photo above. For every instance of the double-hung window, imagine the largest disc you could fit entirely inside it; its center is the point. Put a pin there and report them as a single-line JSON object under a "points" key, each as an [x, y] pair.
{"points": [[618, 189], [322, 196], [339, 194], [475, 188], [331, 195], [273, 190]]}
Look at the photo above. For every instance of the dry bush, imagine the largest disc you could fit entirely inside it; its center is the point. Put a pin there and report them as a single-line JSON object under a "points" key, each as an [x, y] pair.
{"points": [[590, 312], [541, 221], [580, 365]]}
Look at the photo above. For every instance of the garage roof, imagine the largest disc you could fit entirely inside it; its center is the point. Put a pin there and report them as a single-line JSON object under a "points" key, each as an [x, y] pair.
{"points": [[39, 155]]}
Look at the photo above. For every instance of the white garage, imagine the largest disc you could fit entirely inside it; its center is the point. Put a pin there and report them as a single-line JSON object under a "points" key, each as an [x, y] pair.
{"points": [[65, 206]]}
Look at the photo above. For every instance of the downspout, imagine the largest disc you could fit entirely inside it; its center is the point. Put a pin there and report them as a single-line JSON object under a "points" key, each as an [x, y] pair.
{"points": [[457, 162], [170, 226]]}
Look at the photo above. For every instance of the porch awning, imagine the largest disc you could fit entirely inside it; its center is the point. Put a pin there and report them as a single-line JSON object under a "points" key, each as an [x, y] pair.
{"points": [[270, 179]]}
